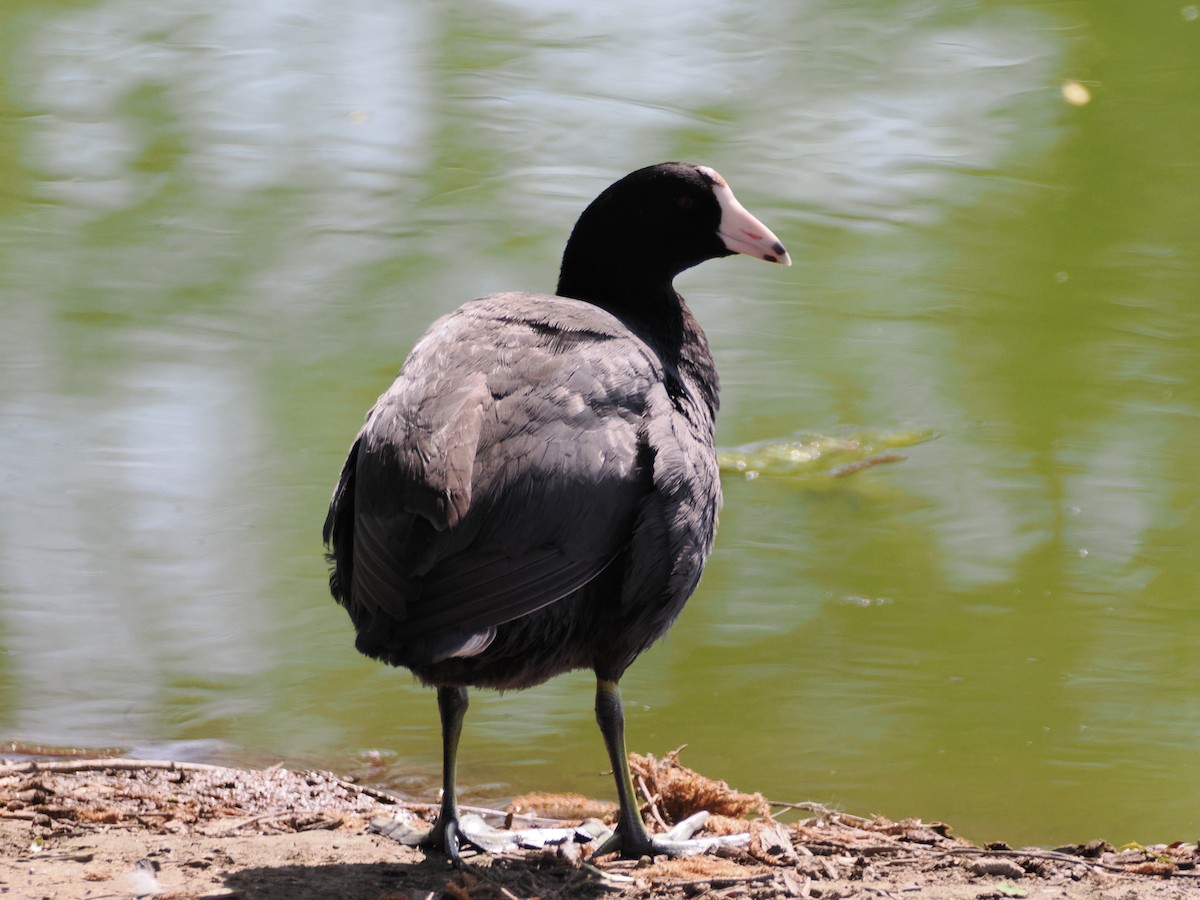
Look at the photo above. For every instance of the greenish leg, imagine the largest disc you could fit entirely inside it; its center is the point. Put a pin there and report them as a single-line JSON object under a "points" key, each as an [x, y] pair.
{"points": [[630, 839]]}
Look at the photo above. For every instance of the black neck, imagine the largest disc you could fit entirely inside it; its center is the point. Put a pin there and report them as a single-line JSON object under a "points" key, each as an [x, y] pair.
{"points": [[629, 288]]}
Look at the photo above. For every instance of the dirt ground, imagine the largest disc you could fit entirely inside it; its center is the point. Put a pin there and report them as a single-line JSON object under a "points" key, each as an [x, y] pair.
{"points": [[121, 828]]}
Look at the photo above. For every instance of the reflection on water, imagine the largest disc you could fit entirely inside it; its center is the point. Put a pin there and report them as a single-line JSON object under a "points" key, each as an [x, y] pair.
{"points": [[222, 226]]}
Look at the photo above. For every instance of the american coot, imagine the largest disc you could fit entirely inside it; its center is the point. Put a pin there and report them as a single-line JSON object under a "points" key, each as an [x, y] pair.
{"points": [[538, 489]]}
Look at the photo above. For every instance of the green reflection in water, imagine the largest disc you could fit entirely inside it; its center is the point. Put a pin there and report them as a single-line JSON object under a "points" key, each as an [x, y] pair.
{"points": [[221, 229]]}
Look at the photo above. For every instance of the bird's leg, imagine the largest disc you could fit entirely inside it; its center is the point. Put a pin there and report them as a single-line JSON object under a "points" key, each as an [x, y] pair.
{"points": [[630, 839], [446, 835]]}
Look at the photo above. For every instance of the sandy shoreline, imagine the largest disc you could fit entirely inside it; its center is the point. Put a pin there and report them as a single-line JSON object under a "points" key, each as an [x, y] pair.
{"points": [[119, 828]]}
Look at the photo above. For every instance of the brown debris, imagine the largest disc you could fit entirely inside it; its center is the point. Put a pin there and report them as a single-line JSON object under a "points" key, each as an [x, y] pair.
{"points": [[718, 824], [771, 842], [1091, 850], [680, 792], [169, 797], [103, 816], [567, 807], [214, 833], [991, 865]]}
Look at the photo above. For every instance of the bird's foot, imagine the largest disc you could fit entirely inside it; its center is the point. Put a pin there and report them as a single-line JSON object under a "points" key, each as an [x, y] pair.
{"points": [[474, 832], [635, 843], [449, 836], [446, 836]]}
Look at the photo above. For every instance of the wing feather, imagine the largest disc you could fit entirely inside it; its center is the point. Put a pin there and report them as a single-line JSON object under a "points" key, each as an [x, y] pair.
{"points": [[491, 482]]}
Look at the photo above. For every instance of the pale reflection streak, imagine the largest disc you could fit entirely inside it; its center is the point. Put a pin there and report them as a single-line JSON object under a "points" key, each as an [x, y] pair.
{"points": [[336, 104], [135, 534]]}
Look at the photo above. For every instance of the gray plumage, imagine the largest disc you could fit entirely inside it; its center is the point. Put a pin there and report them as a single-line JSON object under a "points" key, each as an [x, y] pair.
{"points": [[538, 490], [535, 504]]}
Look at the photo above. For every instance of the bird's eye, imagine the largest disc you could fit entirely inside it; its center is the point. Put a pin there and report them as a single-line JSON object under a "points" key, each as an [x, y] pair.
{"points": [[686, 203]]}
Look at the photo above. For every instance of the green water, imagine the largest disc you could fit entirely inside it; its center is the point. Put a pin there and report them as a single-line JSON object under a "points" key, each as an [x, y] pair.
{"points": [[222, 226]]}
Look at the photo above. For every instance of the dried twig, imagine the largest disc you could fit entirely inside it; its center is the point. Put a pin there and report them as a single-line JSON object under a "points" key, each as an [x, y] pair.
{"points": [[652, 803], [821, 810], [101, 765]]}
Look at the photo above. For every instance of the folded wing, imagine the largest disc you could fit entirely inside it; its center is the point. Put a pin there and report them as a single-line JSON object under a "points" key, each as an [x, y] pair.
{"points": [[480, 492]]}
